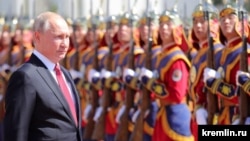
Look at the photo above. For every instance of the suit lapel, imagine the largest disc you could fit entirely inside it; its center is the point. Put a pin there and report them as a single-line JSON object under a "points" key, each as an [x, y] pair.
{"points": [[74, 92]]}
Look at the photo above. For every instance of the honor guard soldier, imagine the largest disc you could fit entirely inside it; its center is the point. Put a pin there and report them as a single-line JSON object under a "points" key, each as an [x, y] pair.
{"points": [[112, 23], [222, 82], [77, 47], [5, 45], [22, 42], [106, 127], [73, 58], [242, 75], [113, 79], [200, 41], [169, 81], [148, 31], [91, 69]]}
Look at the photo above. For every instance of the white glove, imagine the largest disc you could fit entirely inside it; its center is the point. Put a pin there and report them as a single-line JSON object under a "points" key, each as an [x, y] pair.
{"points": [[238, 73], [87, 112], [107, 74], [4, 67], [210, 73], [128, 72], [145, 72], [237, 121], [98, 113], [201, 116], [135, 115], [119, 115], [75, 74], [247, 121], [93, 74], [146, 113]]}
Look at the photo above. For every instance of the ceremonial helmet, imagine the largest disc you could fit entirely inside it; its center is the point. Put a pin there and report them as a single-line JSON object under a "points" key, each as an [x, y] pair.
{"points": [[112, 28], [130, 18], [234, 7], [178, 31], [79, 29], [153, 16], [212, 11], [6, 27], [69, 21], [112, 20], [97, 21], [2, 21], [79, 22]]}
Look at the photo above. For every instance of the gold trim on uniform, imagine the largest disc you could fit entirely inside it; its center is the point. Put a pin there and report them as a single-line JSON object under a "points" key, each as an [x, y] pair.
{"points": [[193, 74], [167, 129]]}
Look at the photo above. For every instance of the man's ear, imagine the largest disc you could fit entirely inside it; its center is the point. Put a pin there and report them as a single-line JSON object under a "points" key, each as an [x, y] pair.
{"points": [[36, 36]]}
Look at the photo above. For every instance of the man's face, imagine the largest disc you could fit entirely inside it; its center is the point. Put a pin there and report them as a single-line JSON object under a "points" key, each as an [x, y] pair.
{"points": [[5, 38], [124, 33], [18, 35], [79, 34], [92, 35], [227, 24], [144, 31], [200, 28], [166, 30], [54, 42]]}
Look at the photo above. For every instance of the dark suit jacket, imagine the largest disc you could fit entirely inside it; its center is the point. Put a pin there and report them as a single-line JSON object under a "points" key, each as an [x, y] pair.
{"points": [[36, 109]]}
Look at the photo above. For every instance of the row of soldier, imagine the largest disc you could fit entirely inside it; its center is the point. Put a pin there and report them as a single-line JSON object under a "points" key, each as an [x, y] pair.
{"points": [[148, 80], [15, 49]]}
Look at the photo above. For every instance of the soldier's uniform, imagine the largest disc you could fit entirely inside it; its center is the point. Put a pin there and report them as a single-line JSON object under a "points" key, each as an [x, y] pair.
{"points": [[223, 81], [170, 83]]}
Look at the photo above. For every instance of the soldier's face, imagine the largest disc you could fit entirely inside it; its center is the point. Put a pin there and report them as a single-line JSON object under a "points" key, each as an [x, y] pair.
{"points": [[91, 35], [166, 30], [18, 35], [144, 31], [112, 30], [79, 33], [6, 38], [227, 24], [200, 28], [124, 33]]}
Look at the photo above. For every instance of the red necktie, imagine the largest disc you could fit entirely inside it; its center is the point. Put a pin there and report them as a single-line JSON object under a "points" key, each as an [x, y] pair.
{"points": [[65, 91]]}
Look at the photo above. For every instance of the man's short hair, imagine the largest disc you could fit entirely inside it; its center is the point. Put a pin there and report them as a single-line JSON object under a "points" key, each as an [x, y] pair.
{"points": [[42, 21]]}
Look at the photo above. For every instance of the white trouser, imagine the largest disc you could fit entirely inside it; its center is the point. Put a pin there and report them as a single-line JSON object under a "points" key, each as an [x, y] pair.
{"points": [[201, 116]]}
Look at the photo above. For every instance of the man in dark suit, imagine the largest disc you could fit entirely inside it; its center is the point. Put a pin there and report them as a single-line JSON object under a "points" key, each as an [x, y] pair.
{"points": [[37, 108]]}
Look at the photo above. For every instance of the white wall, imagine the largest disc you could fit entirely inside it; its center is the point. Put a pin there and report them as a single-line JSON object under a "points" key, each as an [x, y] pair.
{"points": [[81, 8]]}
